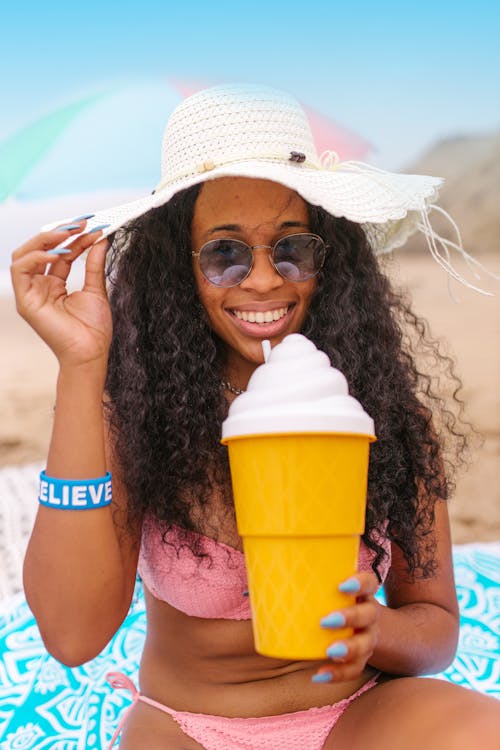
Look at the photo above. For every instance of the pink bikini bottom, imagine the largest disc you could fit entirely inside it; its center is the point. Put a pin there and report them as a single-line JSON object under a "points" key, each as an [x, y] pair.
{"points": [[301, 730]]}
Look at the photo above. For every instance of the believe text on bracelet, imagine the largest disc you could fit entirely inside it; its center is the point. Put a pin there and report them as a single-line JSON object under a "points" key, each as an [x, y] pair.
{"points": [[75, 495]]}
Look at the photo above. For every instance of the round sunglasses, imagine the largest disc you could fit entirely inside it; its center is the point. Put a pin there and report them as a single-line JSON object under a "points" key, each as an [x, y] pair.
{"points": [[228, 262]]}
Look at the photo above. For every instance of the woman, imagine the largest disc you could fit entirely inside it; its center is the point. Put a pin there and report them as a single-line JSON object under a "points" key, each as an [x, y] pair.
{"points": [[193, 294]]}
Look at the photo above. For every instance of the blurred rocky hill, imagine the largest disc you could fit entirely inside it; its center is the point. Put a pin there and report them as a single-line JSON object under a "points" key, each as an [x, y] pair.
{"points": [[470, 166]]}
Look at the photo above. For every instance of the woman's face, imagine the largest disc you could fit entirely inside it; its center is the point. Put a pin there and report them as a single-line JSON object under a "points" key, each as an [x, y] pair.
{"points": [[259, 212]]}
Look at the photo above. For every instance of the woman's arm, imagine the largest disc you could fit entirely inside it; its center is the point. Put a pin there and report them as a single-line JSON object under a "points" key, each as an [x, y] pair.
{"points": [[80, 566], [417, 632]]}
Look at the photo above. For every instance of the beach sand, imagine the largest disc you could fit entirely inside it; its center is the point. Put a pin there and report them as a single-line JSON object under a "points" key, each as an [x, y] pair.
{"points": [[470, 330]]}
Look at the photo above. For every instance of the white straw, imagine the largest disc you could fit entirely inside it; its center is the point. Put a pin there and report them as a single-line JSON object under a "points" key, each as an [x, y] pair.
{"points": [[266, 349]]}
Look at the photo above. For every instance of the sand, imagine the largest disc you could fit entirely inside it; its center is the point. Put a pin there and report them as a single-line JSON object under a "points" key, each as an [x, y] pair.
{"points": [[470, 328]]}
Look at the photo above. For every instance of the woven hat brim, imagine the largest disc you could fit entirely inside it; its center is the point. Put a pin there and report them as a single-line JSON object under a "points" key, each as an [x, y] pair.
{"points": [[388, 205]]}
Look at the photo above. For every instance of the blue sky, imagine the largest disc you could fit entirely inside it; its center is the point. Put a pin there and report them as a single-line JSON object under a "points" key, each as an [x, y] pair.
{"points": [[400, 74]]}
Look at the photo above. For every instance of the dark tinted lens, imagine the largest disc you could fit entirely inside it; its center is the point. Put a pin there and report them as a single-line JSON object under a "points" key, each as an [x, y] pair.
{"points": [[299, 256], [225, 262]]}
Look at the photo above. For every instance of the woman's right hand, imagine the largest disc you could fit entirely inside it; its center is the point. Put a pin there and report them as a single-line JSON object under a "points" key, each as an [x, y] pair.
{"points": [[77, 326]]}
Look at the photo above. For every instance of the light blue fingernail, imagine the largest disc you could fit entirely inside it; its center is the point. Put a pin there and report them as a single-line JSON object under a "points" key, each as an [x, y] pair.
{"points": [[68, 228], [97, 229], [58, 251], [322, 677], [351, 586], [337, 649], [84, 217], [333, 620]]}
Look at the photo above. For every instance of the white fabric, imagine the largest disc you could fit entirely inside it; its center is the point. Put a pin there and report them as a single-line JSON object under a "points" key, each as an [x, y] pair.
{"points": [[18, 506]]}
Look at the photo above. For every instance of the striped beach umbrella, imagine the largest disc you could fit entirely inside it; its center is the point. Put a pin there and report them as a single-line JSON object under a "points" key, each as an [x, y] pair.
{"points": [[103, 149]]}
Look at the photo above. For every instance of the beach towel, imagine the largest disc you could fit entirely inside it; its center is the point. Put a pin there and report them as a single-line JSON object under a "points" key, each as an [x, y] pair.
{"points": [[46, 705]]}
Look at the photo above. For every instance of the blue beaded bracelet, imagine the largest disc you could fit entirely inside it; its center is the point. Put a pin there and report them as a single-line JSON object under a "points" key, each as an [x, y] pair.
{"points": [[74, 494]]}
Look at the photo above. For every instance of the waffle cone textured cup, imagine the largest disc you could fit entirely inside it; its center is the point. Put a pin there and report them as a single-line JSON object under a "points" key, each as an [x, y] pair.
{"points": [[300, 508]]}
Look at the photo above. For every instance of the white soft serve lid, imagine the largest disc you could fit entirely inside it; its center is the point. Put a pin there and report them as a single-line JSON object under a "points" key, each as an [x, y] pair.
{"points": [[296, 390]]}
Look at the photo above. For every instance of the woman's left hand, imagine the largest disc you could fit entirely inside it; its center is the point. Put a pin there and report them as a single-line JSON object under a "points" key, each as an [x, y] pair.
{"points": [[348, 657]]}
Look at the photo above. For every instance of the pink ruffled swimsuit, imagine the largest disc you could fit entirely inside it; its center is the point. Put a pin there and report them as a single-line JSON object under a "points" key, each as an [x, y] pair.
{"points": [[216, 588]]}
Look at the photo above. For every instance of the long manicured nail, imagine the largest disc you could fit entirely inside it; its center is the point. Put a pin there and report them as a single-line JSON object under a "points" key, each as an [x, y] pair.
{"points": [[336, 650], [68, 228], [322, 677], [98, 229], [351, 586], [84, 217], [58, 251], [333, 620]]}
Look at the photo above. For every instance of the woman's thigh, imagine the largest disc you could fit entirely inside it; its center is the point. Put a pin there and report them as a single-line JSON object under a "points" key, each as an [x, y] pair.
{"points": [[418, 714], [149, 728]]}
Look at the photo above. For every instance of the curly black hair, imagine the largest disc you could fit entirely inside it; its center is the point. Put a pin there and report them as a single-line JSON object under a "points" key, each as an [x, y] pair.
{"points": [[166, 404]]}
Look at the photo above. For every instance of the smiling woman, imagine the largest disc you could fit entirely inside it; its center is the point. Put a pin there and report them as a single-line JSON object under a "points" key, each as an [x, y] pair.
{"points": [[247, 237]]}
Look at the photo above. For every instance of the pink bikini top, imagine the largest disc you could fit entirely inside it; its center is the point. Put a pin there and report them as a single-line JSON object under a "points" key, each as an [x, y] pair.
{"points": [[213, 588]]}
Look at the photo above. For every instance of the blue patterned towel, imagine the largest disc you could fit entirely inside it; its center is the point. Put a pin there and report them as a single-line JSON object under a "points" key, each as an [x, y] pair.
{"points": [[45, 705]]}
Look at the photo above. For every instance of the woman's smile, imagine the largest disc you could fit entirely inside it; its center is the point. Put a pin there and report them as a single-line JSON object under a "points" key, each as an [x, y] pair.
{"points": [[263, 320]]}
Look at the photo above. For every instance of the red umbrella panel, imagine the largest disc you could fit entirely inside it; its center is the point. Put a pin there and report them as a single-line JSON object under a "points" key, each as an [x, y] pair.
{"points": [[328, 135]]}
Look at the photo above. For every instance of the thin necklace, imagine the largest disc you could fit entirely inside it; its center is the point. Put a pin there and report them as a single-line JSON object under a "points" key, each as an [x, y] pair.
{"points": [[232, 388]]}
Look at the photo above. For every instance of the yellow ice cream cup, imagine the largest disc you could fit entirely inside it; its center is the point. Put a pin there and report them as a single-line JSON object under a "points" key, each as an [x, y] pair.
{"points": [[300, 507]]}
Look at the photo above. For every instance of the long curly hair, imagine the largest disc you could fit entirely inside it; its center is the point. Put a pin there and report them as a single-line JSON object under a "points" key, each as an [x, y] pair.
{"points": [[166, 404]]}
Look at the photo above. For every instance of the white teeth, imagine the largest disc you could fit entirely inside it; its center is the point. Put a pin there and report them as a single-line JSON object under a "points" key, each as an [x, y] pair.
{"points": [[261, 317]]}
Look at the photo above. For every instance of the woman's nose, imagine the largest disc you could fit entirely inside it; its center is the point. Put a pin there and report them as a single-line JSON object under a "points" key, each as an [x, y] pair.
{"points": [[263, 277]]}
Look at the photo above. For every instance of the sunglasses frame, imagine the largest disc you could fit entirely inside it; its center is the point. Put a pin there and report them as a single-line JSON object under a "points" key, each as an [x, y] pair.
{"points": [[197, 254]]}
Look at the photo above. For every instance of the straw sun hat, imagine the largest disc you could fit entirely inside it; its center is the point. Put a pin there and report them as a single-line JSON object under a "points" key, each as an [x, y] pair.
{"points": [[259, 132]]}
